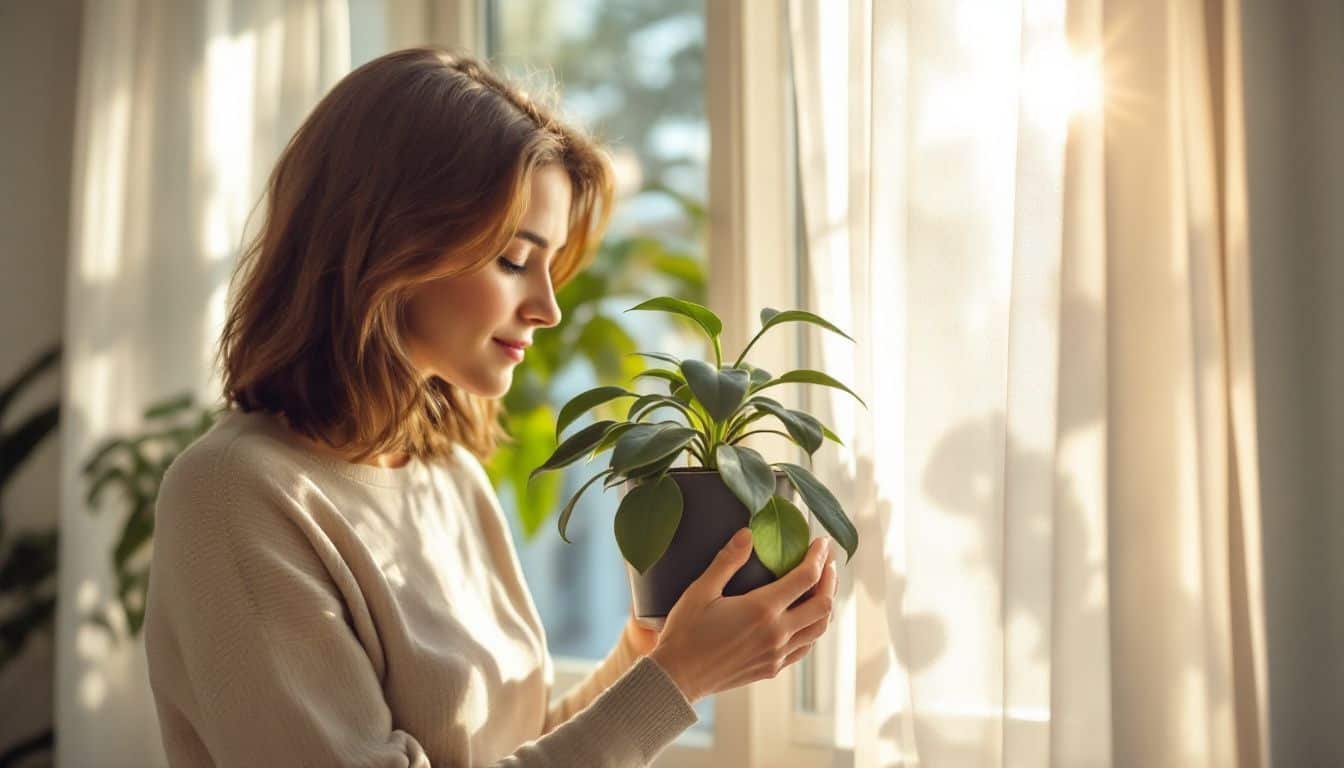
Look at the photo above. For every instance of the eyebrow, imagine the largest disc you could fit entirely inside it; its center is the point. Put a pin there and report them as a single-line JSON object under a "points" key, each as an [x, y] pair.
{"points": [[538, 240]]}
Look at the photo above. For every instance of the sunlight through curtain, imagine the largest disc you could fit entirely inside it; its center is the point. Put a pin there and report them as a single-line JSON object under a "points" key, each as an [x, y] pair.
{"points": [[182, 110], [1031, 217]]}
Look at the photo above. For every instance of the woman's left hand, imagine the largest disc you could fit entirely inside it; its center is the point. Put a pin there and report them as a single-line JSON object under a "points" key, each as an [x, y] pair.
{"points": [[641, 638]]}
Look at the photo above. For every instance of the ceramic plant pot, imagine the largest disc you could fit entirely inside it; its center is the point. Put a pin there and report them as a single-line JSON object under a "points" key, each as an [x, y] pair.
{"points": [[710, 515]]}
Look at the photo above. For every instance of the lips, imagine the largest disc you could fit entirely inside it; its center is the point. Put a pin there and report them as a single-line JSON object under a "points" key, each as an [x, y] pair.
{"points": [[513, 350], [513, 344]]}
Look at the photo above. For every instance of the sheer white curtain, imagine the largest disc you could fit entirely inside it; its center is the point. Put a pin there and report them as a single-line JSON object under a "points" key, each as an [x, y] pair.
{"points": [[182, 109], [1055, 482]]}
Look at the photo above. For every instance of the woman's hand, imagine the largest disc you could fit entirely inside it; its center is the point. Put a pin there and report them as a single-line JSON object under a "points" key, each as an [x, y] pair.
{"points": [[713, 643], [640, 638]]}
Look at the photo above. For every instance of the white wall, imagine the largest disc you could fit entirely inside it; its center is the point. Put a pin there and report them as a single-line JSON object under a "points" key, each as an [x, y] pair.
{"points": [[1294, 66], [39, 44]]}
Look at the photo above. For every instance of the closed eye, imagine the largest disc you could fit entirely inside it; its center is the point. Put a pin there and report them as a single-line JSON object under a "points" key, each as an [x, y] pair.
{"points": [[510, 267]]}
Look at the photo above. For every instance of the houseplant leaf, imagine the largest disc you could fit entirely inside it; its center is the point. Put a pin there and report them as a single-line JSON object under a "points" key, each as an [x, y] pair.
{"points": [[806, 376], [574, 446], [609, 439], [563, 523], [659, 356], [671, 377], [703, 316], [720, 391], [803, 427], [772, 317], [747, 474], [646, 443], [824, 505], [585, 401], [780, 534], [646, 521]]}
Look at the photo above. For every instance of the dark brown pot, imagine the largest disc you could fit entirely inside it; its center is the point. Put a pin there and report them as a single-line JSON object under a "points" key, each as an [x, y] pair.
{"points": [[710, 515]]}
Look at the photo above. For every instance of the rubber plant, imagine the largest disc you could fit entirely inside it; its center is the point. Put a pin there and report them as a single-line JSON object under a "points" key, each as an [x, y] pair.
{"points": [[720, 405]]}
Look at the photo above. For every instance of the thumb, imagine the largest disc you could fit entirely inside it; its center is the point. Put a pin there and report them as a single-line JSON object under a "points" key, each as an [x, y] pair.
{"points": [[729, 560]]}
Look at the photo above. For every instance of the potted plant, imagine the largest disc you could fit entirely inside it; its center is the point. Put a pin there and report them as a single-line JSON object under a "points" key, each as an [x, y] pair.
{"points": [[672, 521]]}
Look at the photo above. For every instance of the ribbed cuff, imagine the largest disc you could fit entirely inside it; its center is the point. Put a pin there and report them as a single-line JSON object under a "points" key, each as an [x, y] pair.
{"points": [[644, 708]]}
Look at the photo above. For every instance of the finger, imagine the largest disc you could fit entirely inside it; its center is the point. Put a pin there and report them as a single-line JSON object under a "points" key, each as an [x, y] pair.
{"points": [[784, 591], [824, 586], [797, 655], [809, 634], [727, 562], [820, 604]]}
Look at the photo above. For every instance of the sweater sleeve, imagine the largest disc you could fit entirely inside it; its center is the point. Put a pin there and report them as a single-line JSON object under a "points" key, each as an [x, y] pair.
{"points": [[621, 658], [271, 669]]}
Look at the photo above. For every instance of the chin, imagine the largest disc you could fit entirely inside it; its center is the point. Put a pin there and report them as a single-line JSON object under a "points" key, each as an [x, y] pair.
{"points": [[493, 388]]}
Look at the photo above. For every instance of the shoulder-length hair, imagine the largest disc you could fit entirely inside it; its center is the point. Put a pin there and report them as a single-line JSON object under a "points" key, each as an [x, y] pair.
{"points": [[415, 167]]}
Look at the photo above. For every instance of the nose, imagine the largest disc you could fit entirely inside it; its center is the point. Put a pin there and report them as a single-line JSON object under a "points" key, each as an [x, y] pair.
{"points": [[541, 307]]}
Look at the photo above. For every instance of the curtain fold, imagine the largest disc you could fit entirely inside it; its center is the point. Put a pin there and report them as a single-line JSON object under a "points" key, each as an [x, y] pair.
{"points": [[182, 110], [1031, 216]]}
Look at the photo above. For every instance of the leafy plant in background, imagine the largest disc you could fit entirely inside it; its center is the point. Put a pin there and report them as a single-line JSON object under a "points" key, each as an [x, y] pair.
{"points": [[590, 336], [719, 404], [27, 577], [134, 465], [28, 573]]}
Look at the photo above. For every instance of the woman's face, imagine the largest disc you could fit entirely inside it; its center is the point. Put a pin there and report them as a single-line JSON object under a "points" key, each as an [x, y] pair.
{"points": [[458, 326]]}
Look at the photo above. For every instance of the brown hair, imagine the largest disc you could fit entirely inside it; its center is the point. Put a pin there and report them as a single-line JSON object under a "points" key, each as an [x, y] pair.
{"points": [[415, 167]]}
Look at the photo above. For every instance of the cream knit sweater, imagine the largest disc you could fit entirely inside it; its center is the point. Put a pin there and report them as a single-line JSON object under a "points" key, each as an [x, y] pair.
{"points": [[305, 611]]}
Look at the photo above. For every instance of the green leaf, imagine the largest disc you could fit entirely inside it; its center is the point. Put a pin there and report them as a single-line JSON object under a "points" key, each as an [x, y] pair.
{"points": [[772, 317], [679, 266], [805, 376], [825, 506], [646, 443], [803, 427], [795, 315], [661, 373], [759, 376], [646, 521], [136, 532], [574, 446], [569, 506], [747, 474], [168, 407], [585, 401], [609, 439], [780, 534], [642, 404], [706, 319], [658, 356], [719, 391], [655, 468]]}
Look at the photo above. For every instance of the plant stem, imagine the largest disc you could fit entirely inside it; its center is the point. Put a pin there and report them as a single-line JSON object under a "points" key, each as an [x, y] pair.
{"points": [[740, 438], [749, 344]]}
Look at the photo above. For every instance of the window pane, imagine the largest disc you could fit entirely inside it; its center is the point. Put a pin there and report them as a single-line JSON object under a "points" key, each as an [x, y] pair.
{"points": [[632, 72]]}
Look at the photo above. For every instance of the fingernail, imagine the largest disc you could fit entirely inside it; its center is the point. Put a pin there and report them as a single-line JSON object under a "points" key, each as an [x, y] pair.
{"points": [[742, 537]]}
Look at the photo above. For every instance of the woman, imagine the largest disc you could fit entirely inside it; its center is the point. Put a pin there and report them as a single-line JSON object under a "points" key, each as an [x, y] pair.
{"points": [[334, 582]]}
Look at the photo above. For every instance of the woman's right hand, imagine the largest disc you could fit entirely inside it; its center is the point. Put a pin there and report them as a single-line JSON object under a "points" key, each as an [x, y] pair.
{"points": [[712, 643]]}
